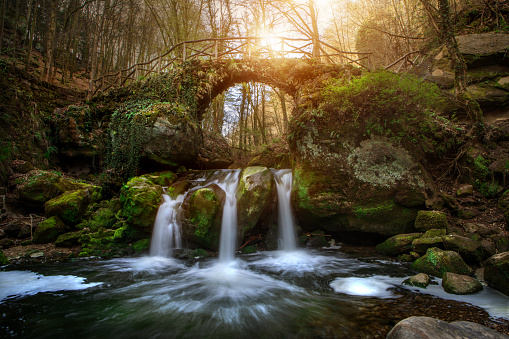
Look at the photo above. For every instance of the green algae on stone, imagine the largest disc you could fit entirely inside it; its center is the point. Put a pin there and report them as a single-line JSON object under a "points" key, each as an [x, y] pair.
{"points": [[69, 206], [496, 272], [436, 262], [69, 239], [427, 220], [140, 199], [422, 244], [398, 244], [48, 230], [3, 259]]}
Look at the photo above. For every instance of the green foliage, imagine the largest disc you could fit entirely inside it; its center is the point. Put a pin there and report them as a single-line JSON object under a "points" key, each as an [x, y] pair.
{"points": [[50, 150]]}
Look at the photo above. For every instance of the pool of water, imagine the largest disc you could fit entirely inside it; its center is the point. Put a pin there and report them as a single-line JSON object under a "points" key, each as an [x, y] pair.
{"points": [[320, 293]]}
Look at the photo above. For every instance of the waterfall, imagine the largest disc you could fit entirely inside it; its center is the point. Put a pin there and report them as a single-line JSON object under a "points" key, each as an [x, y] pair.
{"points": [[166, 235], [228, 240], [285, 216]]}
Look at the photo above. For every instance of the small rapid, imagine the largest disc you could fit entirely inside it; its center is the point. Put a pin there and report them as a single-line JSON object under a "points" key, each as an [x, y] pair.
{"points": [[286, 221], [166, 235]]}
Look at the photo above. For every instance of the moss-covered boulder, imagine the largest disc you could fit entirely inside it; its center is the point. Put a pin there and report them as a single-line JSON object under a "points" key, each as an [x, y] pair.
{"points": [[37, 187], [398, 244], [427, 220], [69, 239], [71, 205], [460, 284], [418, 280], [471, 250], [49, 230], [496, 272], [3, 259], [436, 262], [254, 195], [201, 216], [163, 179], [422, 244], [140, 199], [103, 217]]}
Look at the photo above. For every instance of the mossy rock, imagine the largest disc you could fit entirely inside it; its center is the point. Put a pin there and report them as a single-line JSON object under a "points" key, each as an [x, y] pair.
{"points": [[422, 244], [317, 239], [254, 193], [101, 218], [427, 220], [48, 230], [440, 232], [69, 239], [3, 259], [419, 280], [460, 284], [141, 246], [496, 272], [249, 249], [102, 244], [398, 244], [469, 249], [202, 214], [163, 179], [436, 262], [140, 199], [69, 206]]}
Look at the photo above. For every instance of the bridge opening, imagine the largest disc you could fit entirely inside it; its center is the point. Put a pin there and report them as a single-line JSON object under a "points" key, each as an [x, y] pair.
{"points": [[249, 116]]}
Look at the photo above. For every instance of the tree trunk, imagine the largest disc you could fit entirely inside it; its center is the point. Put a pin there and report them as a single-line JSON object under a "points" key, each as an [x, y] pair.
{"points": [[50, 44], [2, 18]]}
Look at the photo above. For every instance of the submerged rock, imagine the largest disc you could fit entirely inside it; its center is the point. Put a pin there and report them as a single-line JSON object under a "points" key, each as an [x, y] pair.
{"points": [[460, 284], [431, 328], [436, 262], [201, 216], [419, 280], [496, 272], [254, 195], [398, 244]]}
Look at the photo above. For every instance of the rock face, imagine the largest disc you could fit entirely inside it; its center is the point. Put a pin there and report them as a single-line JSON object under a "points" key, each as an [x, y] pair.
{"points": [[140, 199], [71, 205], [436, 262], [427, 220], [254, 195], [202, 214], [346, 185], [216, 153], [496, 272], [431, 328], [469, 249], [460, 284]]}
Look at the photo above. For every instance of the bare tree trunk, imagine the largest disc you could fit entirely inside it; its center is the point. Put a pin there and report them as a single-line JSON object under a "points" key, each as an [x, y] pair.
{"points": [[2, 18], [31, 37], [50, 44]]}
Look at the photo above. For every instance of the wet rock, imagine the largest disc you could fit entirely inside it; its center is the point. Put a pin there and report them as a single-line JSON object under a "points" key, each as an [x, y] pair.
{"points": [[496, 272], [6, 243], [427, 220], [102, 218], [465, 190], [469, 249], [275, 155], [398, 244], [140, 199], [69, 239], [422, 244], [418, 280], [72, 205], [436, 262], [431, 328], [48, 230], [201, 216], [254, 192], [488, 247], [460, 284]]}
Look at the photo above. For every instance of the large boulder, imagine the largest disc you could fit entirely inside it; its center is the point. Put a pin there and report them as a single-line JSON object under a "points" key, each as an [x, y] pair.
{"points": [[202, 215], [254, 195], [140, 199], [398, 244], [427, 220], [49, 230], [431, 328], [436, 262], [216, 153], [496, 272], [418, 280], [343, 185], [471, 250], [71, 205], [460, 284]]}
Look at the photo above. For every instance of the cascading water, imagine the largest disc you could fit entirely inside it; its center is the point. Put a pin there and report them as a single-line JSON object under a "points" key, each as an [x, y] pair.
{"points": [[166, 235], [283, 180], [227, 242]]}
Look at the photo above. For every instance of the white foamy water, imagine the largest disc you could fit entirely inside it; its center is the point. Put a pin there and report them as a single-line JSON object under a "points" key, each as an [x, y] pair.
{"points": [[23, 283], [286, 220], [166, 234], [228, 239], [375, 286]]}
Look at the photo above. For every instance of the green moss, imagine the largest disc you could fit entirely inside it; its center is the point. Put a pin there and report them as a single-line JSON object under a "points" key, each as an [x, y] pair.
{"points": [[140, 200], [204, 207], [427, 220], [397, 244], [436, 262], [3, 259], [69, 239], [49, 230], [141, 246]]}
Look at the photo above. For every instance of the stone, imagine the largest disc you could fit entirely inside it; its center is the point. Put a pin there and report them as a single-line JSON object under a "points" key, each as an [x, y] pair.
{"points": [[71, 205], [140, 199], [102, 218], [422, 244], [460, 284], [501, 242], [48, 230], [37, 254], [450, 202], [13, 228], [216, 152], [467, 213], [436, 262], [431, 328], [201, 216], [496, 272], [398, 244], [418, 280], [254, 194], [471, 250], [427, 220], [6, 243], [503, 205], [3, 259], [465, 190], [69, 239]]}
